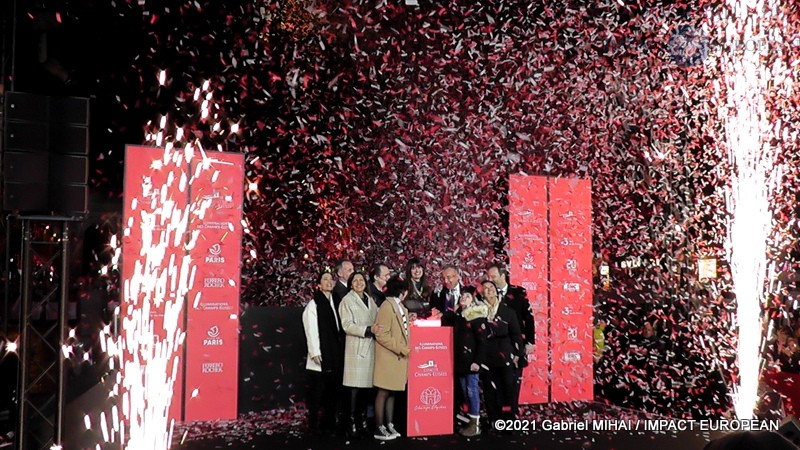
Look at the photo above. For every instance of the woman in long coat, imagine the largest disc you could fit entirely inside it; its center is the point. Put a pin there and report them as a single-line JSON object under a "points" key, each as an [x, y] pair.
{"points": [[358, 312], [391, 356]]}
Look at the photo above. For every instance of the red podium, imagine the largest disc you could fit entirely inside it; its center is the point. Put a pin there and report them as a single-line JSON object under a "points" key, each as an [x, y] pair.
{"points": [[430, 380]]}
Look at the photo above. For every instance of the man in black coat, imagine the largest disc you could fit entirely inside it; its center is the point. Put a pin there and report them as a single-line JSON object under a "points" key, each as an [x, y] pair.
{"points": [[516, 298], [378, 276], [344, 268], [445, 302], [324, 358]]}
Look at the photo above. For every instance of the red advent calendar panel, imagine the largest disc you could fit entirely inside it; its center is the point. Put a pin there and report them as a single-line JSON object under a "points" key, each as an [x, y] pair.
{"points": [[571, 289], [550, 252], [527, 203]]}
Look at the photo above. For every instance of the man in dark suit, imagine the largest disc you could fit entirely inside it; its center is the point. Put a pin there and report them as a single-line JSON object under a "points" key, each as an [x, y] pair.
{"points": [[445, 302], [443, 306], [516, 298], [378, 276], [344, 268]]}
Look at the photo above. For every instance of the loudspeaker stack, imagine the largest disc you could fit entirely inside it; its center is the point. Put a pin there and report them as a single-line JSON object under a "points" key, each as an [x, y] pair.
{"points": [[45, 154]]}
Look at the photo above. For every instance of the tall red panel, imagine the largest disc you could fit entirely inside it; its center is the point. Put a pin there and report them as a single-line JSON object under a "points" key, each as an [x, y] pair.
{"points": [[182, 252], [150, 281], [212, 337], [527, 207], [550, 253], [571, 289]]}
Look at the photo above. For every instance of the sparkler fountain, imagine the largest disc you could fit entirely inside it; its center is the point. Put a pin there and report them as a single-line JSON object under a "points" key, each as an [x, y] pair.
{"points": [[750, 77]]}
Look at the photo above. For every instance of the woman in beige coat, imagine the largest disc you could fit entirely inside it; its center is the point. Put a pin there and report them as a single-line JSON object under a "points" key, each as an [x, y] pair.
{"points": [[391, 356], [358, 312]]}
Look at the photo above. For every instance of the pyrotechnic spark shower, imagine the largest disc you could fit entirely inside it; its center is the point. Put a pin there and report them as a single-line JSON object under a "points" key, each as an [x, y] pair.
{"points": [[148, 352], [748, 130]]}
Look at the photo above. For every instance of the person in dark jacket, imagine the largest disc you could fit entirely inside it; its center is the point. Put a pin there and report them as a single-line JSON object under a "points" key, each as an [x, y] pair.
{"points": [[325, 356], [502, 356], [469, 331], [344, 268], [378, 276], [419, 289], [516, 298]]}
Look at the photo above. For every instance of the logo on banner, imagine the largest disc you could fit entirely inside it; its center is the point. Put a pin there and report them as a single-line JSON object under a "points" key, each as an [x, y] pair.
{"points": [[213, 337], [431, 364], [213, 254], [211, 367], [567, 242], [214, 282], [219, 201], [215, 225], [530, 285], [571, 265], [535, 237], [525, 212], [529, 263], [572, 287], [430, 396], [572, 333], [429, 369], [571, 357]]}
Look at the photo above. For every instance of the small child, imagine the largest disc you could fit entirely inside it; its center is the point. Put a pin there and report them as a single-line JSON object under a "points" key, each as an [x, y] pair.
{"points": [[470, 340]]}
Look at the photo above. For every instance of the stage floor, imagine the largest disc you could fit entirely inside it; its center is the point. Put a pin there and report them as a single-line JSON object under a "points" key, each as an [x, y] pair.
{"points": [[282, 430], [544, 440]]}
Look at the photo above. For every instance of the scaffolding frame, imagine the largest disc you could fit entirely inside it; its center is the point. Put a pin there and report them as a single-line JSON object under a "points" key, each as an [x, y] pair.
{"points": [[41, 349]]}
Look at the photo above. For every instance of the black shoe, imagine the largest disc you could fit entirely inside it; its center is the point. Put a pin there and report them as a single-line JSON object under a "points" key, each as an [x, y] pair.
{"points": [[352, 431], [363, 428]]}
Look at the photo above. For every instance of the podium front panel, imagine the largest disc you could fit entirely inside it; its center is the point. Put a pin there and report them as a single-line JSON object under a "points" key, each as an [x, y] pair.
{"points": [[430, 382]]}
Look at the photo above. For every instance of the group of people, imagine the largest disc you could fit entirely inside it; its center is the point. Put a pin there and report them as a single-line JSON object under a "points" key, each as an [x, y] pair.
{"points": [[358, 330], [783, 352]]}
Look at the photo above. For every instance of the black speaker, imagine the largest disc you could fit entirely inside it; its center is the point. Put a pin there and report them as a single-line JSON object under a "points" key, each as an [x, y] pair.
{"points": [[26, 167], [26, 196], [69, 111], [69, 139], [23, 106], [70, 198], [45, 153], [69, 169], [26, 136]]}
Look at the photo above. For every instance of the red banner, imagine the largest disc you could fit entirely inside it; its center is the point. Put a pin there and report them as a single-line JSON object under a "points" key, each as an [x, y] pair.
{"points": [[527, 208], [181, 266], [550, 251], [150, 287], [430, 382], [571, 289], [212, 336]]}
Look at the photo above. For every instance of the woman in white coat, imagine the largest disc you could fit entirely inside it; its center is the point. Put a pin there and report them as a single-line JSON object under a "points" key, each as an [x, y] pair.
{"points": [[358, 312]]}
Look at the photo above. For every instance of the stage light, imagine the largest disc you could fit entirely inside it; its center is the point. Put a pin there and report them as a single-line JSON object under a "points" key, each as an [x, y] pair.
{"points": [[11, 347]]}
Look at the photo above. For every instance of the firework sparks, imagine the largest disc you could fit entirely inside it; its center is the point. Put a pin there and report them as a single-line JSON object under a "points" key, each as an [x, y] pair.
{"points": [[753, 157], [149, 351]]}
